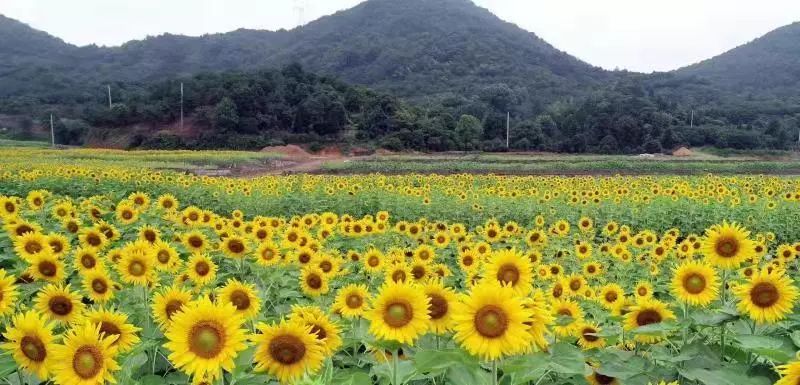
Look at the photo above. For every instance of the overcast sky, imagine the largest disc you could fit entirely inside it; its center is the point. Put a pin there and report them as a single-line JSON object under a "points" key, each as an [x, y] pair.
{"points": [[639, 35]]}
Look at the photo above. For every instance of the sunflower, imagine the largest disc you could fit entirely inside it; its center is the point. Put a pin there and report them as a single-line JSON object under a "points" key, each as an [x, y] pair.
{"points": [[492, 322], [85, 259], [137, 267], [201, 269], [599, 379], [575, 284], [169, 302], [166, 257], [790, 374], [727, 245], [611, 296], [195, 241], [643, 289], [583, 250], [351, 301], [424, 253], [592, 269], [59, 244], [29, 338], [767, 297], [541, 319], [267, 254], [570, 316], [327, 332], [441, 300], [511, 268], [647, 312], [47, 267], [205, 338], [29, 245], [8, 293], [287, 351], [59, 303], [87, 357], [313, 282], [588, 337], [373, 261], [398, 273], [695, 283], [399, 313], [241, 295], [167, 202], [126, 213], [98, 285], [235, 247], [114, 324], [93, 238]]}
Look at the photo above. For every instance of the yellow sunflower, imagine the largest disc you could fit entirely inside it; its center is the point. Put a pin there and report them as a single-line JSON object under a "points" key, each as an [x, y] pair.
{"points": [[8, 293], [91, 237], [267, 254], [235, 247], [570, 316], [313, 282], [47, 267], [643, 289], [114, 324], [588, 337], [441, 300], [87, 357], [205, 338], [86, 259], [767, 297], [195, 241], [399, 313], [287, 351], [647, 312], [611, 296], [599, 379], [59, 244], [790, 374], [398, 273], [168, 302], [326, 331], [201, 269], [29, 338], [243, 296], [99, 286], [59, 303], [137, 267], [695, 283], [351, 301], [727, 245], [492, 322], [511, 268], [29, 245]]}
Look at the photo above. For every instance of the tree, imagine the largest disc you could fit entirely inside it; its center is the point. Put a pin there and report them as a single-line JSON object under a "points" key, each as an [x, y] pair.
{"points": [[469, 132], [226, 116]]}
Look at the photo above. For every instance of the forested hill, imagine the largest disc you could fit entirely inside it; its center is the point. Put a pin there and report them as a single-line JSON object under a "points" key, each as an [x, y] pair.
{"points": [[442, 73]]}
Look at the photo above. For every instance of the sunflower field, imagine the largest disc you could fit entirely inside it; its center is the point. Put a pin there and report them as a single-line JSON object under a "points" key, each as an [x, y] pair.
{"points": [[111, 273]]}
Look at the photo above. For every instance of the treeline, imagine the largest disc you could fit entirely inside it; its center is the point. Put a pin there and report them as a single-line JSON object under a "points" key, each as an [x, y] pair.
{"points": [[250, 110]]}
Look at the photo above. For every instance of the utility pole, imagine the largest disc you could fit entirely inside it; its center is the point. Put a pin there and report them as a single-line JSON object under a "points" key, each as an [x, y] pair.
{"points": [[508, 129], [181, 105], [52, 132], [691, 122], [109, 96]]}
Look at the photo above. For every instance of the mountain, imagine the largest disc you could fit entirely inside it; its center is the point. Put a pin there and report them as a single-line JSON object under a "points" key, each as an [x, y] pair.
{"points": [[769, 64]]}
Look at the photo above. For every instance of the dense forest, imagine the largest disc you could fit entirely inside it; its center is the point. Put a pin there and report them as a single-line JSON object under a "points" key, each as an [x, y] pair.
{"points": [[417, 74]]}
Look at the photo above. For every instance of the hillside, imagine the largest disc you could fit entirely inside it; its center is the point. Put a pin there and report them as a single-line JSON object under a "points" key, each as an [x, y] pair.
{"points": [[769, 64]]}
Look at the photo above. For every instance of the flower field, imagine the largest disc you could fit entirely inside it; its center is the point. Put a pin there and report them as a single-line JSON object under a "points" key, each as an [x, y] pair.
{"points": [[111, 272]]}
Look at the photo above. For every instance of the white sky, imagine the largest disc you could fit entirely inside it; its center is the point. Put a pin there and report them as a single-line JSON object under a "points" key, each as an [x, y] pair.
{"points": [[639, 35]]}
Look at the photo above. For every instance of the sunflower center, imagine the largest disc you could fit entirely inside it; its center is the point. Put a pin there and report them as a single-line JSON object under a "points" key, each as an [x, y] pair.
{"points": [[642, 291], [603, 380], [764, 295], [163, 256], [611, 296], [56, 246], [354, 301], [373, 261], [206, 339], [438, 306], [398, 314], [591, 269], [93, 240], [418, 272], [33, 247], [33, 348], [326, 266], [589, 334], [196, 242], [508, 274], [727, 247], [88, 261], [48, 268], [314, 281], [99, 286], [491, 321], [87, 362], [647, 317], [110, 329], [236, 246], [136, 268], [240, 299], [575, 285], [60, 305], [304, 258], [10, 207], [202, 268], [319, 331], [267, 254], [467, 260], [173, 307], [287, 349], [694, 283], [150, 236], [127, 214], [399, 276]]}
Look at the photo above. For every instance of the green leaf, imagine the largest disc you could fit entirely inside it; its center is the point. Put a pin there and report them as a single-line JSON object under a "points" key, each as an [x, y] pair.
{"points": [[624, 370], [776, 349], [567, 359], [715, 318], [726, 376], [7, 365], [657, 329], [527, 368], [351, 377], [152, 379]]}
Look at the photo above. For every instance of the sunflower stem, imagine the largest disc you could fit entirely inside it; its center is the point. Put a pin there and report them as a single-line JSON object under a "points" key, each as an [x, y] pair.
{"points": [[494, 372], [395, 353]]}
